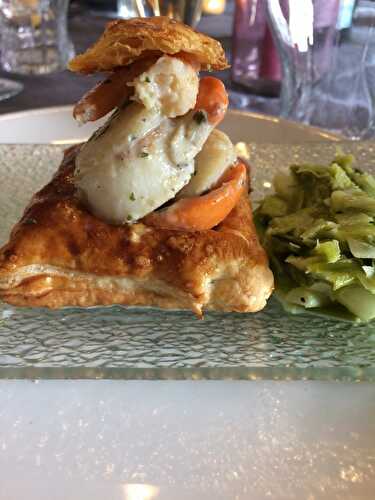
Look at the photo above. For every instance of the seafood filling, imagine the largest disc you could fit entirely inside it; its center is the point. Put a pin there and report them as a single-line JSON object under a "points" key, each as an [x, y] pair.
{"points": [[158, 145]]}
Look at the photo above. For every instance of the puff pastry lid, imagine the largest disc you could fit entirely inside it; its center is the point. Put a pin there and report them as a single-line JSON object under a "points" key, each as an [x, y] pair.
{"points": [[125, 41]]}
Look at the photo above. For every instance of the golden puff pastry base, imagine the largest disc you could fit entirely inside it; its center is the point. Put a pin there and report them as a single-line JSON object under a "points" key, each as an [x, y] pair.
{"points": [[60, 255], [125, 41]]}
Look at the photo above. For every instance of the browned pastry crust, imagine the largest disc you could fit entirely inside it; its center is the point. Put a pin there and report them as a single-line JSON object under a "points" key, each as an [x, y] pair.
{"points": [[61, 255], [125, 41]]}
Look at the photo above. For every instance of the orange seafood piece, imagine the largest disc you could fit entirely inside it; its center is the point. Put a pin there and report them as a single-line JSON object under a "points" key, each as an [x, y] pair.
{"points": [[204, 212], [212, 98], [109, 93]]}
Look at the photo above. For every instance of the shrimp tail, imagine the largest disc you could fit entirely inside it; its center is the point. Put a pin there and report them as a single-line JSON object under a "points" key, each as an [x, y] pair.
{"points": [[201, 213], [110, 93], [212, 98]]}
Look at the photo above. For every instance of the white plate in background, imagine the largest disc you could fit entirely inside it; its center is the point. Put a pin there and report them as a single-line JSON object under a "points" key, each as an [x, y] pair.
{"points": [[56, 125]]}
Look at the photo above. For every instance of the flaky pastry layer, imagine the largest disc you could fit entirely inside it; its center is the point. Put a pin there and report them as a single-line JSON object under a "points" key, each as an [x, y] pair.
{"points": [[60, 255], [125, 41]]}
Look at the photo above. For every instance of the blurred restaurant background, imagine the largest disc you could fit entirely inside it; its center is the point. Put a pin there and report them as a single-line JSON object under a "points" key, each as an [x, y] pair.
{"points": [[311, 61]]}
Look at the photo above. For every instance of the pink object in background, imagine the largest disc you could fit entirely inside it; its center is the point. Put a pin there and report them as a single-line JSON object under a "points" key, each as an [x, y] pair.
{"points": [[326, 49], [270, 68], [255, 63]]}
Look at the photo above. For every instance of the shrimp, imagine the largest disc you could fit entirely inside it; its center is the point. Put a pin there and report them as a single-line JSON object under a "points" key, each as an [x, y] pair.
{"points": [[204, 212], [212, 98], [109, 93], [170, 85], [113, 91]]}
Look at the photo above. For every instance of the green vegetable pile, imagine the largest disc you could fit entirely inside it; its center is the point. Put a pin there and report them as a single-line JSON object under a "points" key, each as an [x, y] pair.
{"points": [[319, 232]]}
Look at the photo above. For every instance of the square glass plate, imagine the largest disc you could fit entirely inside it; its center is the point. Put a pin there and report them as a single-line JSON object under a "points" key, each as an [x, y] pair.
{"points": [[116, 342]]}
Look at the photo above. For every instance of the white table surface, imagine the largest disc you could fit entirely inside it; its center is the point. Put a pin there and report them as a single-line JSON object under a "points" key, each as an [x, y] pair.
{"points": [[139, 440]]}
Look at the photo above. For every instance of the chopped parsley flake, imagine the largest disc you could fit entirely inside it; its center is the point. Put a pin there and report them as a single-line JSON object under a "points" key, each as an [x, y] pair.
{"points": [[147, 79], [129, 218], [132, 196], [199, 117], [144, 154], [182, 165]]}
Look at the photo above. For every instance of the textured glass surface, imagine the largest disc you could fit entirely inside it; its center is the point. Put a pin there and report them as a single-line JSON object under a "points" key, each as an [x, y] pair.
{"points": [[147, 343]]}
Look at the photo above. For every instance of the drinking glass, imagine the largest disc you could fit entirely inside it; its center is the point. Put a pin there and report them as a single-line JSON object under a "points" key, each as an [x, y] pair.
{"points": [[255, 63], [186, 11], [35, 36], [8, 88], [327, 50]]}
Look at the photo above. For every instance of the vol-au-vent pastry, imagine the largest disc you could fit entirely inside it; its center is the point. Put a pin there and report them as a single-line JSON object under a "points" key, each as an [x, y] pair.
{"points": [[153, 210]]}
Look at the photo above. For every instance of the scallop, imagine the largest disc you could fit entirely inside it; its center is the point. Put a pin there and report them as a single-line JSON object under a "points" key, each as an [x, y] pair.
{"points": [[138, 161], [217, 154]]}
